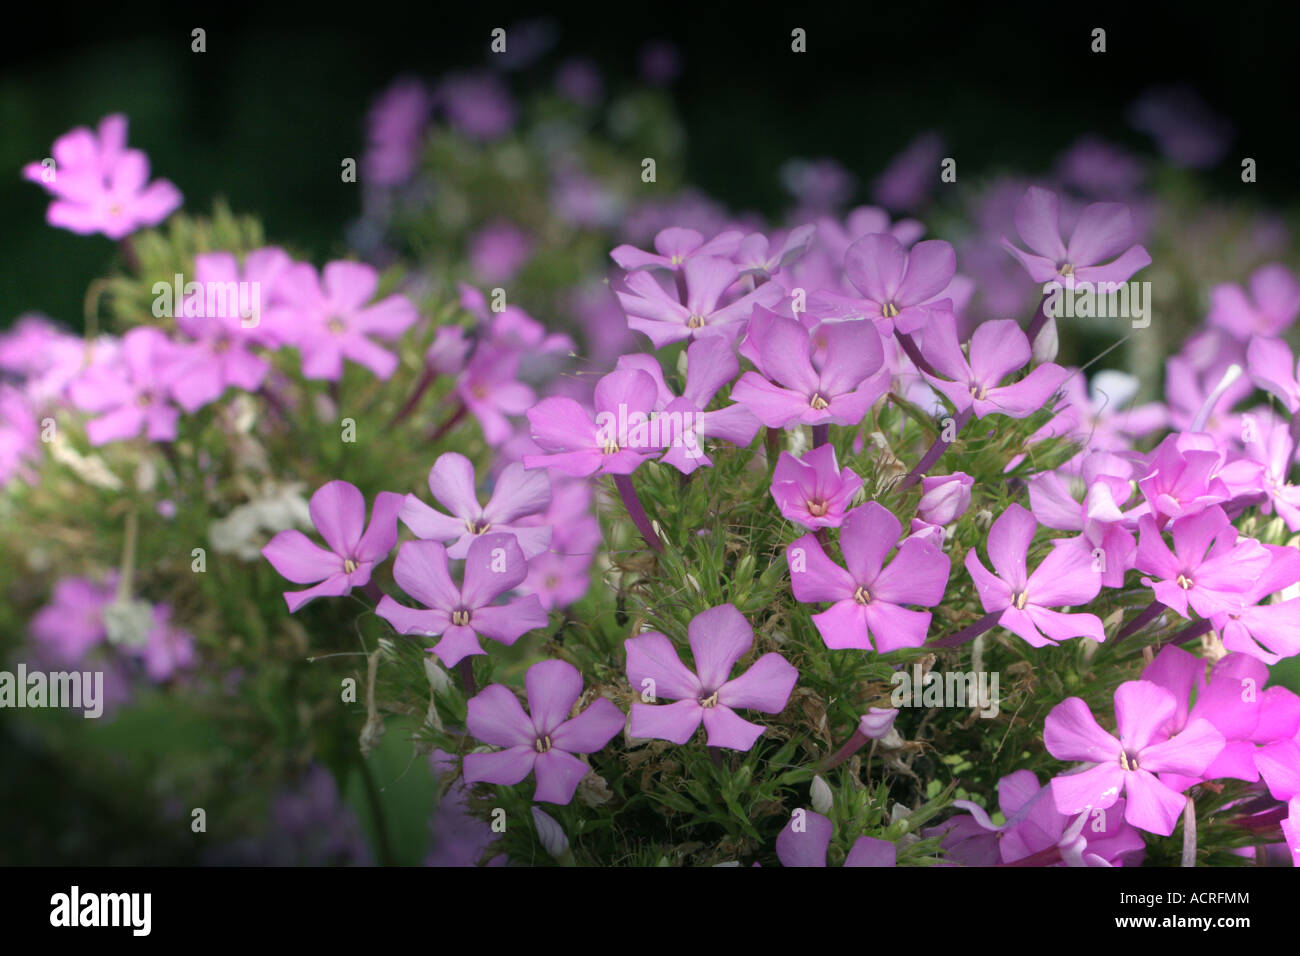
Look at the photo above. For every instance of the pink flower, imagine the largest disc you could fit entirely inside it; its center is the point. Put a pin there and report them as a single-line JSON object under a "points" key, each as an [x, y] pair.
{"points": [[944, 498], [899, 287], [997, 349], [719, 637], [494, 565], [675, 246], [615, 442], [338, 511], [1067, 577], [331, 320], [545, 742], [828, 377], [451, 480], [814, 491], [1271, 307], [868, 611], [1128, 764], [1209, 567], [1103, 234], [133, 393], [100, 186], [490, 389]]}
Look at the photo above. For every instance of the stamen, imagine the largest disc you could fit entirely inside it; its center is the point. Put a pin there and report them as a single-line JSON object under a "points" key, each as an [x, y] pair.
{"points": [[1184, 582], [889, 311], [460, 618], [862, 596], [349, 565], [542, 744], [710, 701], [1019, 599], [818, 402], [817, 508], [695, 322]]}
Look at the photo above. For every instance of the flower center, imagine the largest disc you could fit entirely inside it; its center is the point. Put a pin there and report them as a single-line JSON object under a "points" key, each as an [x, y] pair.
{"points": [[460, 618], [1127, 761], [978, 391], [862, 596], [349, 565], [479, 391], [1019, 599], [889, 311], [144, 399], [710, 701], [677, 259], [115, 209], [1184, 582], [477, 527], [542, 744], [817, 508], [696, 321], [611, 447], [818, 402], [336, 326], [1065, 269], [222, 344]]}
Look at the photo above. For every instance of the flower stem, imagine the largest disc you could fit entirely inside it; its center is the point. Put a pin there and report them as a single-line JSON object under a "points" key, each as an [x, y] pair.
{"points": [[422, 386], [1038, 321], [635, 511], [1189, 833], [1153, 611], [821, 434], [466, 670], [936, 452], [449, 424], [851, 746], [970, 632], [914, 353], [1192, 633]]}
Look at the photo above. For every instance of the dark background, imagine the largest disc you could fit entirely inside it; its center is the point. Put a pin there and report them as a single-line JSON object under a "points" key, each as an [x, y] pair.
{"points": [[263, 117]]}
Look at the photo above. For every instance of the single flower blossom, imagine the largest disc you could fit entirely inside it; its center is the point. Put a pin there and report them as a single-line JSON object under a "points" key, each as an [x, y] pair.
{"points": [[1128, 764], [132, 393], [674, 247], [899, 287], [615, 442], [805, 840], [1102, 247], [814, 491], [868, 598], [338, 512], [1209, 568], [451, 480], [545, 742], [461, 615], [1269, 309], [1067, 577], [719, 637]]}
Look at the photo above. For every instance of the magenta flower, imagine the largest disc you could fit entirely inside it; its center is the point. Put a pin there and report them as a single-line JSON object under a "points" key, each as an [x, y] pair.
{"points": [[1186, 474], [332, 321], [451, 480], [944, 498], [997, 349], [1208, 568], [1273, 368], [719, 637], [836, 382], [1269, 309], [668, 318], [755, 256], [101, 186], [868, 611], [167, 648], [899, 286], [616, 442], [395, 124], [1067, 577], [1097, 517], [1128, 764], [73, 622], [133, 393], [674, 247], [683, 423], [491, 390], [338, 511], [805, 840], [1268, 632], [545, 742], [814, 491], [461, 615], [1272, 446], [1102, 247]]}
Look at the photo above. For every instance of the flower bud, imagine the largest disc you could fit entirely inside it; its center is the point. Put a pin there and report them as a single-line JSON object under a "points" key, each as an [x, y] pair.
{"points": [[944, 498], [550, 834], [822, 799], [877, 722]]}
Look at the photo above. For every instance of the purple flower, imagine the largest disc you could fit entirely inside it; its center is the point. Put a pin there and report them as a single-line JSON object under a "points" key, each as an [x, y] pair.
{"points": [[395, 124], [19, 431], [911, 174], [868, 611], [755, 256], [616, 442], [805, 840], [1067, 577], [877, 722], [1273, 368], [545, 742], [167, 648], [1034, 826], [944, 498], [73, 622], [1103, 234], [1268, 632], [1208, 568], [1186, 474], [719, 637], [490, 389], [814, 491], [1269, 310], [498, 251], [899, 287], [331, 320], [338, 511], [828, 377], [683, 424], [1098, 516], [461, 615], [132, 394], [997, 349], [477, 105], [1272, 446], [698, 311], [1128, 764], [100, 186], [676, 246], [1186, 130], [451, 480]]}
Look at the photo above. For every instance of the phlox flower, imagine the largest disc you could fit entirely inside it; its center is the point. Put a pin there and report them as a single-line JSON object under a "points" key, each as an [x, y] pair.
{"points": [[674, 246], [131, 393], [814, 491], [613, 442], [1269, 309], [1209, 568], [1102, 247], [805, 840]]}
